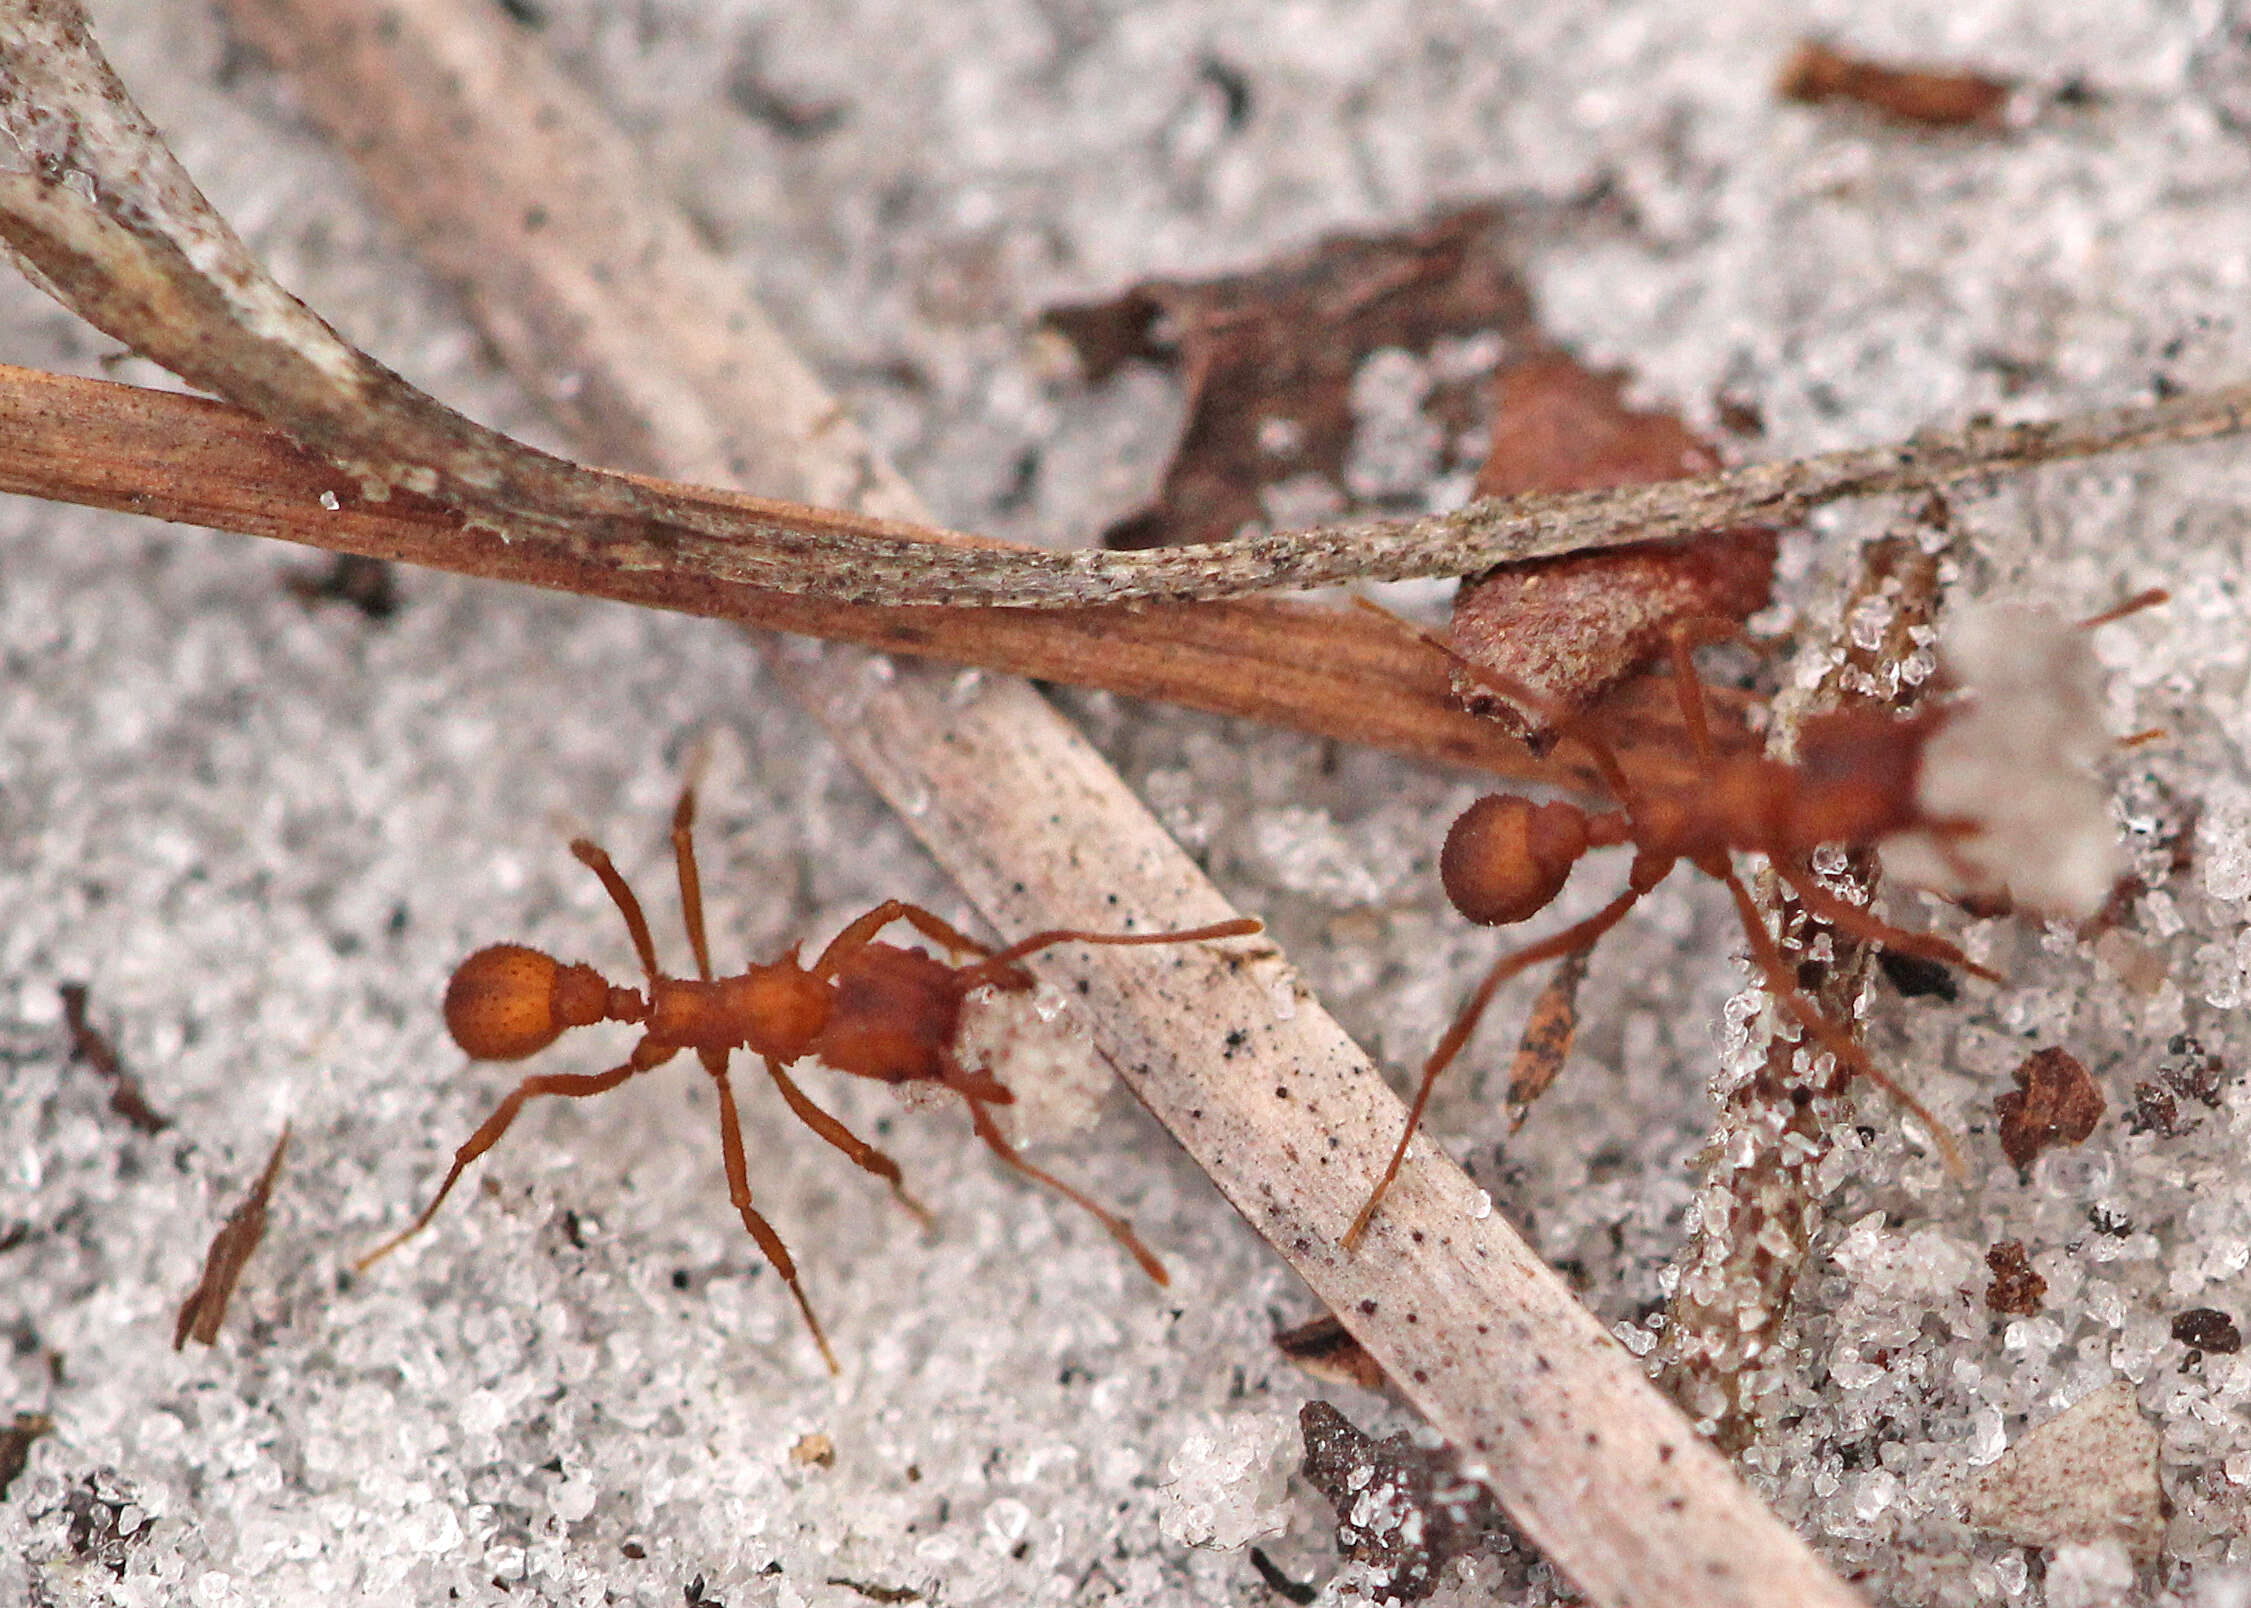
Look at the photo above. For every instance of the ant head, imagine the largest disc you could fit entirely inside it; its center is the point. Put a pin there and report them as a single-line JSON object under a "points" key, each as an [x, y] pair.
{"points": [[1507, 857], [507, 1002]]}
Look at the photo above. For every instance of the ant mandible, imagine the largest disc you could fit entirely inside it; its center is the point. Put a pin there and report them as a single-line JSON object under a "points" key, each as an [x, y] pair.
{"points": [[867, 1008], [1506, 857]]}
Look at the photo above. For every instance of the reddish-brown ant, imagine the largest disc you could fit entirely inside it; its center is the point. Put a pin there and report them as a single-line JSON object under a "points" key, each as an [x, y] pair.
{"points": [[1854, 783], [868, 1008]]}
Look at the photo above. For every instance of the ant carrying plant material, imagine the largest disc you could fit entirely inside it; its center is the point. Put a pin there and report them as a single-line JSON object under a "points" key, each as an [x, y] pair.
{"points": [[867, 1008], [1991, 819]]}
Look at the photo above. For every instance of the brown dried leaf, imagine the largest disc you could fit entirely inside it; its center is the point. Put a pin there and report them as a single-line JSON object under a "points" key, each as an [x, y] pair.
{"points": [[1573, 627], [2056, 1101], [2016, 1289], [1926, 96], [1268, 358], [231, 1249], [2208, 1329]]}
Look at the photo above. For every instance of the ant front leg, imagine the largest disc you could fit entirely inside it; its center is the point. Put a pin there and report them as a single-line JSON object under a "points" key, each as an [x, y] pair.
{"points": [[570, 1085], [1571, 940], [738, 1191], [862, 1154], [971, 1086]]}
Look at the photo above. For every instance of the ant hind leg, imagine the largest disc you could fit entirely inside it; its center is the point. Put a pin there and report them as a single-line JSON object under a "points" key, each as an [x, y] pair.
{"points": [[1833, 1035], [963, 1083], [1859, 923]]}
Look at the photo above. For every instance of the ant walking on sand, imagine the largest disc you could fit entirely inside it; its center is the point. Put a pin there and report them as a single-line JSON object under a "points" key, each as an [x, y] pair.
{"points": [[1855, 781], [867, 1008]]}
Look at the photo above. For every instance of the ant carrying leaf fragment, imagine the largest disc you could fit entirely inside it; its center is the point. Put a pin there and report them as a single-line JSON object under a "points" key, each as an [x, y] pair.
{"points": [[867, 1008], [1861, 777]]}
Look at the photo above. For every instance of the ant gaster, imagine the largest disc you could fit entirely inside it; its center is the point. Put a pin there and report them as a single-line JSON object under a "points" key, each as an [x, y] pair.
{"points": [[1854, 782], [867, 1008]]}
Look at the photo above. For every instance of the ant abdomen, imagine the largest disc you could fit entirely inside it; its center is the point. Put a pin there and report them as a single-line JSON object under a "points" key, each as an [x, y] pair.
{"points": [[1506, 858], [510, 1001]]}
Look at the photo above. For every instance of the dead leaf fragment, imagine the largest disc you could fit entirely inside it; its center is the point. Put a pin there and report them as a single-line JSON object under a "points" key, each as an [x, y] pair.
{"points": [[1926, 96], [815, 1450], [231, 1249], [1325, 1349], [1575, 626], [2086, 1476], [2056, 1102], [90, 1045], [15, 1444], [2208, 1329], [2016, 1290], [1270, 357]]}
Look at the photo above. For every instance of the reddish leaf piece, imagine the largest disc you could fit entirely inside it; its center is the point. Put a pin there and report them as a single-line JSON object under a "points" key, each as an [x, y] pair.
{"points": [[231, 1249], [2016, 1290], [2056, 1102], [1575, 626], [1269, 356], [1925, 96]]}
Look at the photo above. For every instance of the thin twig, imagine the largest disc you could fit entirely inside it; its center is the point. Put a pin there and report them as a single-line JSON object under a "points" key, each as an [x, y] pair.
{"points": [[1039, 832], [205, 1309], [1333, 672], [104, 217]]}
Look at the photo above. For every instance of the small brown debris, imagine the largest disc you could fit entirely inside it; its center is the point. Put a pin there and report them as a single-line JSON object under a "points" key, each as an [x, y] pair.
{"points": [[1575, 626], [815, 1450], [1402, 1510], [2156, 1111], [367, 584], [2190, 1072], [1546, 1044], [2016, 1289], [1928, 97], [15, 1445], [231, 1249], [1280, 1584], [2208, 1329], [2087, 1475], [1269, 359], [875, 1593], [2056, 1102], [1325, 1349], [1918, 976], [90, 1045]]}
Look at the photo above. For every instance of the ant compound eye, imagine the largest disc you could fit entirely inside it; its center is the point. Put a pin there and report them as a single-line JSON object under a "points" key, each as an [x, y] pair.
{"points": [[1507, 858], [500, 1005]]}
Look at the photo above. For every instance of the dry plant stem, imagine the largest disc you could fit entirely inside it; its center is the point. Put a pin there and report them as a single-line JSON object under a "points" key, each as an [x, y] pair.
{"points": [[103, 217], [1760, 1206], [205, 1309], [1040, 833], [1332, 672]]}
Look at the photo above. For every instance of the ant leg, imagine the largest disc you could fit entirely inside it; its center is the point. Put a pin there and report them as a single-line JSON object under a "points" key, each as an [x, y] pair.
{"points": [[738, 1191], [2147, 599], [691, 885], [1851, 918], [591, 855], [572, 1085], [1004, 960], [1549, 708], [862, 1154], [1690, 691], [1571, 940], [1833, 1036], [862, 930], [997, 1143]]}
